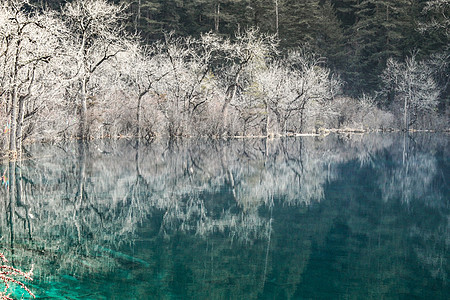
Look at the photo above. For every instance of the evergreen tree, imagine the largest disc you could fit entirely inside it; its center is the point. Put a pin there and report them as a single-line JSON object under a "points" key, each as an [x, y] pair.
{"points": [[260, 13], [330, 38], [299, 22], [144, 16], [381, 31], [346, 11]]}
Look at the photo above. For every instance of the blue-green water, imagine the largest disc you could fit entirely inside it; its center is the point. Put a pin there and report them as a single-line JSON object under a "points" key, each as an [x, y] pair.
{"points": [[336, 217]]}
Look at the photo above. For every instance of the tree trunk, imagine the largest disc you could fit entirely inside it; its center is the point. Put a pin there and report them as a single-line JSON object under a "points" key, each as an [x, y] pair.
{"points": [[405, 115], [302, 112], [302, 115], [138, 117], [83, 110], [276, 18], [217, 18], [228, 100], [279, 126], [138, 16], [13, 124], [20, 120], [84, 79]]}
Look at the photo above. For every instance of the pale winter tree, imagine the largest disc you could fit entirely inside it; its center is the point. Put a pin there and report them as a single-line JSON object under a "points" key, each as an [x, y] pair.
{"points": [[189, 87], [172, 93], [97, 36], [293, 90], [270, 89], [28, 41], [140, 69], [204, 95], [288, 91], [247, 54], [359, 114], [415, 90], [312, 86]]}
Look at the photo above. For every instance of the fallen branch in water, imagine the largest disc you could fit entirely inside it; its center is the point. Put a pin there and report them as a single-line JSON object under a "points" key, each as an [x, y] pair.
{"points": [[9, 274]]}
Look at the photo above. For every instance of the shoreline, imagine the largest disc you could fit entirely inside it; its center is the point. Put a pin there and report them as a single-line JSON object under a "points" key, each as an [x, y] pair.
{"points": [[322, 132]]}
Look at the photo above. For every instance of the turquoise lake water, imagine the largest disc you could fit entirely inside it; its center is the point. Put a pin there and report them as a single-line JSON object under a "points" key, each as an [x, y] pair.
{"points": [[336, 217]]}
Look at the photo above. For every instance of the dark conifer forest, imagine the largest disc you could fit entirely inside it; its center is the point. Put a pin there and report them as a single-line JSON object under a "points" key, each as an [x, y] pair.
{"points": [[355, 36]]}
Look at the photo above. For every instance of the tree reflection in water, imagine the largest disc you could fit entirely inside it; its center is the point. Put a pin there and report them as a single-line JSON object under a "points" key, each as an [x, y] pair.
{"points": [[243, 217]]}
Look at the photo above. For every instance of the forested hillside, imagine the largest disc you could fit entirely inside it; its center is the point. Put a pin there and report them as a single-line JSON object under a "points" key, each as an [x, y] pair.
{"points": [[356, 36], [96, 68]]}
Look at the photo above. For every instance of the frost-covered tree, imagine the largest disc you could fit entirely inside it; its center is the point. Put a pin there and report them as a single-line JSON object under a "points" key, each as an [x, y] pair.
{"points": [[415, 90], [189, 87], [28, 42], [312, 83], [97, 36], [140, 68], [247, 54], [292, 90]]}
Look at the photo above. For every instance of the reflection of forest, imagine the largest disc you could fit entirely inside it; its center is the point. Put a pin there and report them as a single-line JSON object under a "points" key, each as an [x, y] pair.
{"points": [[236, 217]]}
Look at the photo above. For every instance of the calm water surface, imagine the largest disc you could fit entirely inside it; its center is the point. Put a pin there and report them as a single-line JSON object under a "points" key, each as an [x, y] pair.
{"points": [[339, 217]]}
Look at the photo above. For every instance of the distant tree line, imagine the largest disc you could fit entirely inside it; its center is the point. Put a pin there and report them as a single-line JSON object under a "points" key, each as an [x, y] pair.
{"points": [[356, 36], [94, 68]]}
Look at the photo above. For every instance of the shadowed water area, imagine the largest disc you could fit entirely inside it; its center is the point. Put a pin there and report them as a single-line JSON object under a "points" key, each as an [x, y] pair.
{"points": [[336, 217]]}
